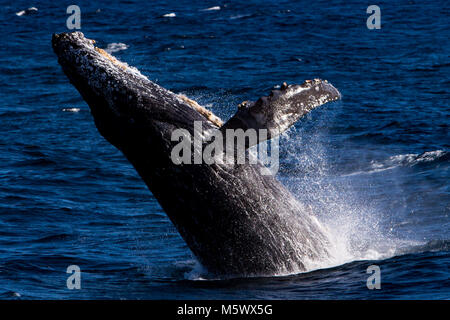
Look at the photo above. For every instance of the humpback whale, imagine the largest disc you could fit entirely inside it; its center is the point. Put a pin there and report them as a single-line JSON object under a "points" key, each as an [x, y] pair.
{"points": [[235, 220]]}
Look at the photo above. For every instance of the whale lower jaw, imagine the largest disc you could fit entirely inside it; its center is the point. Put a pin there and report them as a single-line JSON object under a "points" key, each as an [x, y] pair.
{"points": [[235, 220]]}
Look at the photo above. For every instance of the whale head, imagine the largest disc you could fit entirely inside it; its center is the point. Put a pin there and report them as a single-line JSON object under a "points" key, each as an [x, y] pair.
{"points": [[127, 107]]}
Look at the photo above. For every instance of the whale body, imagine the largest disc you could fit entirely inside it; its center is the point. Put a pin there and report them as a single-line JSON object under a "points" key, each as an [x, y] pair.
{"points": [[235, 220]]}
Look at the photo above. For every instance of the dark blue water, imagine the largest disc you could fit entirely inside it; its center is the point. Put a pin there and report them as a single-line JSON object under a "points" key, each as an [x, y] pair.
{"points": [[374, 166]]}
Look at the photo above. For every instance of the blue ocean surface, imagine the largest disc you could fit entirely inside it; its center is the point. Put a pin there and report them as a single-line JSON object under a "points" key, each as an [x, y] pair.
{"points": [[374, 166]]}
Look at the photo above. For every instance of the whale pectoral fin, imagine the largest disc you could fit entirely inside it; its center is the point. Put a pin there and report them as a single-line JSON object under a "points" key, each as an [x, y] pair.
{"points": [[282, 108]]}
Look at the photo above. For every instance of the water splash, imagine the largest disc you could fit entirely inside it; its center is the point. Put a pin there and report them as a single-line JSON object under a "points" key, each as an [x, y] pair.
{"points": [[355, 227]]}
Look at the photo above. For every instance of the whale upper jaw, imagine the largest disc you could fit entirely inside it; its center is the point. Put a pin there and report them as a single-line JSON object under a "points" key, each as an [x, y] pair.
{"points": [[121, 99], [95, 73]]}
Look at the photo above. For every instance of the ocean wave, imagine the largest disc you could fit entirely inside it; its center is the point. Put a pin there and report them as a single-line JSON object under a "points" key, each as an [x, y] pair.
{"points": [[410, 159], [192, 270], [405, 160], [242, 16], [53, 238], [430, 246], [10, 295]]}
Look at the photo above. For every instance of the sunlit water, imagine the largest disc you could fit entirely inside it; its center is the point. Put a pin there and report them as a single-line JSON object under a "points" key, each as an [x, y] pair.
{"points": [[373, 167]]}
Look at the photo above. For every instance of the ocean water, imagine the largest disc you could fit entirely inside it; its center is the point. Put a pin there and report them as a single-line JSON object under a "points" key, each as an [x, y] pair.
{"points": [[374, 166]]}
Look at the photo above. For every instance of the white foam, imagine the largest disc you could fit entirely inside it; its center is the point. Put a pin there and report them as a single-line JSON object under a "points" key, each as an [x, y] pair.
{"points": [[115, 47], [356, 230], [71, 109], [216, 8], [170, 15], [408, 159], [240, 16], [401, 160], [198, 272], [27, 11]]}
